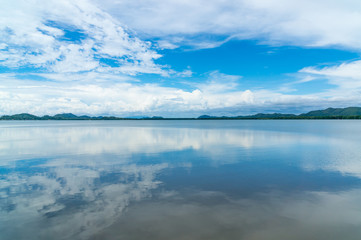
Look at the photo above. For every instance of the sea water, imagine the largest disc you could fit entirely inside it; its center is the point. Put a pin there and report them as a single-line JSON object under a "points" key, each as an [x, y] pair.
{"points": [[187, 179]]}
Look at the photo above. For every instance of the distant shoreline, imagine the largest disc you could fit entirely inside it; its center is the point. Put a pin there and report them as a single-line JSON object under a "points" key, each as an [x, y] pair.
{"points": [[191, 119], [329, 113]]}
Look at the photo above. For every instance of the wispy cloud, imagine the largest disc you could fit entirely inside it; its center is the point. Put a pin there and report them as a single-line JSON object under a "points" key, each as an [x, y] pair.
{"points": [[302, 23], [68, 36], [346, 75]]}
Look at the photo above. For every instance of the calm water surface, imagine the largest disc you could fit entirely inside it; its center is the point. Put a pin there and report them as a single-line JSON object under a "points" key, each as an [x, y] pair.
{"points": [[158, 180]]}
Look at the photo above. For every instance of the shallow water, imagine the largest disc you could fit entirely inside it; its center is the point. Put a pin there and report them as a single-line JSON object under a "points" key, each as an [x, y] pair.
{"points": [[211, 179]]}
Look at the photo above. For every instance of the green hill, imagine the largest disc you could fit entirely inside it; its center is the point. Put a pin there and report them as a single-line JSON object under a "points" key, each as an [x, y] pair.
{"points": [[329, 113], [332, 112], [21, 116], [69, 116]]}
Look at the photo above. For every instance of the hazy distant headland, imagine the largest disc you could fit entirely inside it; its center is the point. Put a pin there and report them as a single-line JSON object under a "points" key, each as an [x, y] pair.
{"points": [[329, 113]]}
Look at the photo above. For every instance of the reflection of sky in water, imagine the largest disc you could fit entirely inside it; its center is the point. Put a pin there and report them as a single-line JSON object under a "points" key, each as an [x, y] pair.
{"points": [[180, 180]]}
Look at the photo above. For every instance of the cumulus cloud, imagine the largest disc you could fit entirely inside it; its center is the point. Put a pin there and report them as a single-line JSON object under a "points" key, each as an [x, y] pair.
{"points": [[107, 94], [94, 94]]}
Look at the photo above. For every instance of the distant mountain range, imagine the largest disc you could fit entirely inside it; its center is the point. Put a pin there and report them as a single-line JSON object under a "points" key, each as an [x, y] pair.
{"points": [[329, 113], [350, 111], [67, 116]]}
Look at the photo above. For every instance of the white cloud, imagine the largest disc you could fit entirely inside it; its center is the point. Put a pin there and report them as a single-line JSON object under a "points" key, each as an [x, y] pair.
{"points": [[68, 36], [219, 82], [108, 94], [97, 94], [346, 75], [309, 22], [88, 74]]}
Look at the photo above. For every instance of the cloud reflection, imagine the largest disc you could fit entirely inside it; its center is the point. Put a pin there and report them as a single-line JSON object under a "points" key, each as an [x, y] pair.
{"points": [[81, 180], [70, 202], [120, 139], [212, 215], [339, 150]]}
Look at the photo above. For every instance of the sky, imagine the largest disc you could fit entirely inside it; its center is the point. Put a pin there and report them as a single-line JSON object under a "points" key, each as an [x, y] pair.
{"points": [[179, 58]]}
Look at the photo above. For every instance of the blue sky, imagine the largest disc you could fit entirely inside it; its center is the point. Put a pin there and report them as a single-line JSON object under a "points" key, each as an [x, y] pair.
{"points": [[179, 58]]}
